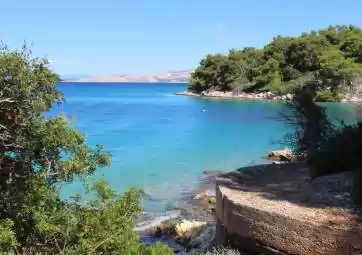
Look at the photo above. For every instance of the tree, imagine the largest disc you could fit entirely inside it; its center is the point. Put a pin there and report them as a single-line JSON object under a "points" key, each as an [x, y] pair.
{"points": [[336, 71], [36, 155], [352, 45], [214, 72], [327, 146], [332, 56]]}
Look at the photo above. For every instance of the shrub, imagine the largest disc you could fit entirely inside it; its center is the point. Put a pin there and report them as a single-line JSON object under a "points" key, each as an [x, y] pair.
{"points": [[340, 152], [326, 148], [309, 122], [327, 96], [37, 154]]}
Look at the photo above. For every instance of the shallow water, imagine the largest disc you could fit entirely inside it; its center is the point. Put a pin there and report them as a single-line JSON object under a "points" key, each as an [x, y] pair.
{"points": [[162, 142]]}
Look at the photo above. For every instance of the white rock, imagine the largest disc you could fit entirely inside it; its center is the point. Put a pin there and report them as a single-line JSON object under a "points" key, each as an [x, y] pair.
{"points": [[189, 229]]}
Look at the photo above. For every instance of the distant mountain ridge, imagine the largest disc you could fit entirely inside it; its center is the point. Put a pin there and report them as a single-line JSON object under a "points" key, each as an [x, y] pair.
{"points": [[167, 77]]}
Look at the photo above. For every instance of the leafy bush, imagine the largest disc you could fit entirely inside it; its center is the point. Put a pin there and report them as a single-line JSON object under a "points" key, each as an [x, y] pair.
{"points": [[326, 148], [327, 96], [37, 154], [340, 152], [310, 124], [7, 236]]}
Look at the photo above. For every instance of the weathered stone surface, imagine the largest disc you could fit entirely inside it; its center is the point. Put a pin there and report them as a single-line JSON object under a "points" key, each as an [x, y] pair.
{"points": [[270, 208]]}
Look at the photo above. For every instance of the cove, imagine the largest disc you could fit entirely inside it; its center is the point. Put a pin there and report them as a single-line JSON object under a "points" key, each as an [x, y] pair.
{"points": [[163, 142]]}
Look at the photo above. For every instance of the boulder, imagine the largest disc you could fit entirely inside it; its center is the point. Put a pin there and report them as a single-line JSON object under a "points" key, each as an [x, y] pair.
{"points": [[165, 228], [289, 96], [188, 229], [280, 209], [281, 155], [195, 235], [207, 200]]}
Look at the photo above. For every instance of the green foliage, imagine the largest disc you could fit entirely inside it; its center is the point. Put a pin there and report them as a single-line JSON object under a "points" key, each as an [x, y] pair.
{"points": [[309, 122], [157, 249], [7, 236], [331, 57], [37, 155], [327, 148], [340, 152], [327, 95], [214, 72]]}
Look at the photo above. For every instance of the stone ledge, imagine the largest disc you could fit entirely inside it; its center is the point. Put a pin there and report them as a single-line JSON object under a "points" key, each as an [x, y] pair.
{"points": [[271, 207]]}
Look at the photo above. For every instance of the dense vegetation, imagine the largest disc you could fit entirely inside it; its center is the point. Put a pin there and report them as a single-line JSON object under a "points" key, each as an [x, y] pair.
{"points": [[37, 156], [329, 60]]}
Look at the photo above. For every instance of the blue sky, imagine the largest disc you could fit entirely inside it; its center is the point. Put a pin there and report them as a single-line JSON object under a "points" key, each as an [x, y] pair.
{"points": [[94, 37]]}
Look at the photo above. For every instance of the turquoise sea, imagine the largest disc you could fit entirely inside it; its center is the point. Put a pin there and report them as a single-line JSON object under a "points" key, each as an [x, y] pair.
{"points": [[163, 142]]}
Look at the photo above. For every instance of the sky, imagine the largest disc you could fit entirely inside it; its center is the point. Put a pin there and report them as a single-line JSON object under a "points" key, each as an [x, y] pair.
{"points": [[94, 37]]}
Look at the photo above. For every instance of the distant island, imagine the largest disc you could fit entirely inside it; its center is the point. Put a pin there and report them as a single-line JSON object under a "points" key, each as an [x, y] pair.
{"points": [[166, 77]]}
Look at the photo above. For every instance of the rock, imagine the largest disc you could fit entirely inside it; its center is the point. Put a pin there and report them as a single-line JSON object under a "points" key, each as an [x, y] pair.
{"points": [[180, 253], [205, 238], [238, 95], [158, 232], [207, 200], [281, 155], [283, 208], [166, 228], [333, 189], [209, 176], [188, 229], [195, 235]]}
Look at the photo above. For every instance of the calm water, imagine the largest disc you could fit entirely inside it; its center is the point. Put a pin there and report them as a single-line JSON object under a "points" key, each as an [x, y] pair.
{"points": [[163, 142]]}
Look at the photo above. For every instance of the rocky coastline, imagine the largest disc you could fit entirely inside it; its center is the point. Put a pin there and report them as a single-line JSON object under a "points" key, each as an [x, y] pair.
{"points": [[232, 95], [348, 98], [193, 230]]}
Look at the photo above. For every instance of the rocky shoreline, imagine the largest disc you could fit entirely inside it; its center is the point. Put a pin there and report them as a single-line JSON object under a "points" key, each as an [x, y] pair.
{"points": [[193, 230], [242, 95], [257, 96]]}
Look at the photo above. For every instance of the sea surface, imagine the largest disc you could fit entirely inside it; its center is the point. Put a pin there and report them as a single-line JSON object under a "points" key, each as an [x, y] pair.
{"points": [[162, 142]]}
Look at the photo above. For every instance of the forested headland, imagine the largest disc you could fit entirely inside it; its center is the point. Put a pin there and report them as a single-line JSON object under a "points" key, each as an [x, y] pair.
{"points": [[329, 61]]}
